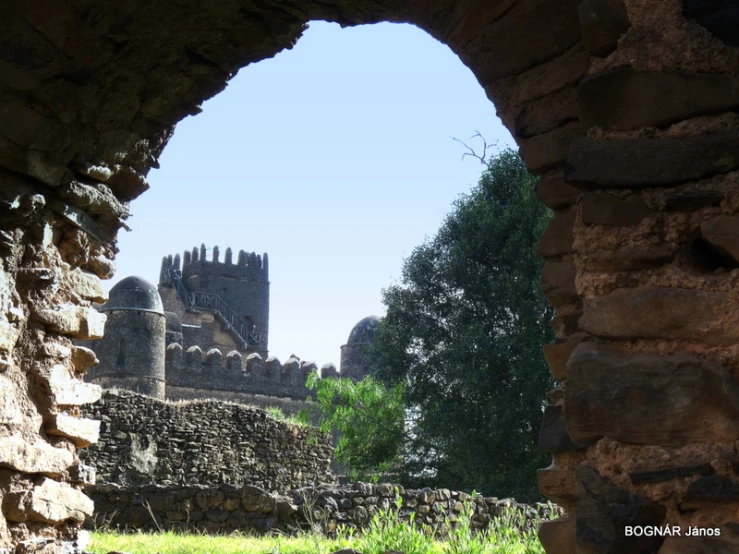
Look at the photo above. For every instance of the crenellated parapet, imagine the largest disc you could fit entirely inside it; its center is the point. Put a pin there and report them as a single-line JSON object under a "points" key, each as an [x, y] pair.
{"points": [[196, 368], [246, 265]]}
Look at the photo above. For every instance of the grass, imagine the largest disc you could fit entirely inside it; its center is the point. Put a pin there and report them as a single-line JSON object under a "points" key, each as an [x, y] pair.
{"points": [[385, 532]]}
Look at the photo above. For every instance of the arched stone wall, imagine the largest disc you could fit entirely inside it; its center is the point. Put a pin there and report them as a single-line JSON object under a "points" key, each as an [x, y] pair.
{"points": [[626, 108]]}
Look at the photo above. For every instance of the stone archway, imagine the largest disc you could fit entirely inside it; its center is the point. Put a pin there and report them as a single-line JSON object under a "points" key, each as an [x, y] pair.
{"points": [[625, 107]]}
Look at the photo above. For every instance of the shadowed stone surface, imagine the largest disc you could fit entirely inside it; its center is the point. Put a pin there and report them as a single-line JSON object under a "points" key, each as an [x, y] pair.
{"points": [[599, 208], [615, 163], [558, 283], [553, 436], [663, 313], [624, 396], [557, 238], [629, 258], [626, 99], [556, 194], [558, 537], [603, 512], [722, 235], [668, 473], [557, 354], [718, 17], [602, 22]]}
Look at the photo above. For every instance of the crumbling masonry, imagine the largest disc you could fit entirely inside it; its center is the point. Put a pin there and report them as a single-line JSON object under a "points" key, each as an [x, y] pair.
{"points": [[626, 108]]}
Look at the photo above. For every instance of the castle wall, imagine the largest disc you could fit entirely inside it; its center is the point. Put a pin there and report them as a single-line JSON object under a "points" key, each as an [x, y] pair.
{"points": [[211, 371], [144, 441], [288, 406]]}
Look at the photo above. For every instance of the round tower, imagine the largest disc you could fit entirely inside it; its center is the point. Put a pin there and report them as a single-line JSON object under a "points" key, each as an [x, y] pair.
{"points": [[131, 352], [354, 363]]}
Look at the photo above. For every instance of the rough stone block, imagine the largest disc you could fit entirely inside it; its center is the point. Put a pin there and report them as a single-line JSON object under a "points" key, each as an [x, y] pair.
{"points": [[632, 163], [81, 473], [718, 17], [566, 324], [558, 283], [663, 313], [540, 80], [669, 473], [650, 399], [549, 150], [599, 208], [82, 431], [537, 32], [69, 391], [257, 500], [722, 235], [553, 436], [547, 113], [560, 486], [86, 285], [558, 237], [556, 194], [10, 408], [83, 358], [557, 354], [75, 321], [625, 99], [51, 502], [40, 457], [691, 200], [603, 22], [604, 510], [712, 489], [558, 536], [633, 258]]}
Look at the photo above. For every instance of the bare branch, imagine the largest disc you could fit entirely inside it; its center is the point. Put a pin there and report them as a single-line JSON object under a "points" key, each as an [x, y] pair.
{"points": [[472, 152]]}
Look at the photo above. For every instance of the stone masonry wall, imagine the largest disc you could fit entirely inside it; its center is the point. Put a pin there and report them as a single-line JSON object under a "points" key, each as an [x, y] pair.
{"points": [[147, 441], [226, 508], [211, 370], [627, 109]]}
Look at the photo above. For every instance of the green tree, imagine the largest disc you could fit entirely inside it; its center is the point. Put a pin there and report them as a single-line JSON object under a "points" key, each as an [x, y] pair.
{"points": [[369, 418], [463, 335]]}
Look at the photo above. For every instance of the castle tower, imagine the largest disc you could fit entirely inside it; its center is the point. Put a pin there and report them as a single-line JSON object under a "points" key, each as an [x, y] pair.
{"points": [[222, 304], [354, 363], [131, 352]]}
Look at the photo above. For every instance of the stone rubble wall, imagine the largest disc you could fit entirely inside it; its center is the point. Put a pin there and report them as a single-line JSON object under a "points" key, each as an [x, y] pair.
{"points": [[145, 441], [226, 508]]}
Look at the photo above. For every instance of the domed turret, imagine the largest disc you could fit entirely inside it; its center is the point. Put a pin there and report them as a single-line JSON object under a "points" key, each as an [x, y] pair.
{"points": [[134, 293], [353, 354], [132, 350], [364, 331]]}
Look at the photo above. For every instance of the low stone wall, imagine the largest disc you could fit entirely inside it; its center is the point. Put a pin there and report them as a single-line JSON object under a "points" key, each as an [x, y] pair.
{"points": [[145, 441], [225, 508]]}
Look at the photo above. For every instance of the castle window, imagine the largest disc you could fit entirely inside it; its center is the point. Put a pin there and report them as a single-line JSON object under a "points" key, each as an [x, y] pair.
{"points": [[121, 352]]}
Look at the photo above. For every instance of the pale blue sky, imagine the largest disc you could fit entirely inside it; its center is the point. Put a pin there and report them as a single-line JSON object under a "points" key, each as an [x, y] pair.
{"points": [[336, 158]]}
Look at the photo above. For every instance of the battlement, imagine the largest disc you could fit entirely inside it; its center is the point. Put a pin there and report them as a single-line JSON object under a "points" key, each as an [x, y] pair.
{"points": [[249, 265], [211, 370]]}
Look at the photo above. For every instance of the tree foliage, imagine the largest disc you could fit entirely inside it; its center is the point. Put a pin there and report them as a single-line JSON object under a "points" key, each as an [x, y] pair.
{"points": [[463, 336], [369, 418]]}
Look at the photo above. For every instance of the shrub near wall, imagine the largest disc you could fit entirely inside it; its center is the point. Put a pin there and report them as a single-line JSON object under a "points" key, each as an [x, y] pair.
{"points": [[146, 441]]}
